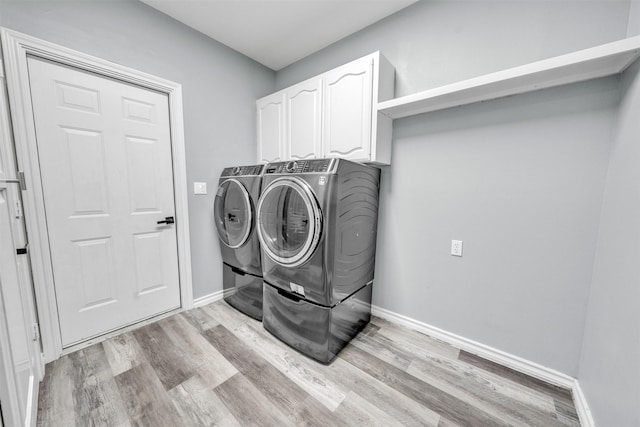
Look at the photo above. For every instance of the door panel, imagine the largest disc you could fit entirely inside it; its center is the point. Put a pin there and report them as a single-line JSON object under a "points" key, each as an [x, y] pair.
{"points": [[142, 155], [85, 150], [96, 261], [148, 250], [348, 110], [304, 114], [78, 98], [271, 136], [105, 160], [139, 110]]}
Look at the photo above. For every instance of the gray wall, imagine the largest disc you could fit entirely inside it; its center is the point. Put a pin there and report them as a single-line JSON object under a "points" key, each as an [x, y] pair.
{"points": [[633, 27], [433, 43], [519, 180], [610, 367], [219, 85]]}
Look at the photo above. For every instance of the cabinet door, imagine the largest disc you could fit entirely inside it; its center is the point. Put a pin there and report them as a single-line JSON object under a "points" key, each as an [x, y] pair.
{"points": [[304, 103], [271, 136], [348, 110]]}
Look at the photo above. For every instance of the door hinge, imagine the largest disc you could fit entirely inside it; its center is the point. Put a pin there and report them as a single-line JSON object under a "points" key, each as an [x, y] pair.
{"points": [[23, 181], [36, 332]]}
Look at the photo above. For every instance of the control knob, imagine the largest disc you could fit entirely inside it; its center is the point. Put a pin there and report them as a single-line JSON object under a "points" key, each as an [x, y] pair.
{"points": [[235, 170], [291, 166]]}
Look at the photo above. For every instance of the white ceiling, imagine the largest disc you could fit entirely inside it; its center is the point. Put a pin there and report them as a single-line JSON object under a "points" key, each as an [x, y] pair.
{"points": [[277, 33]]}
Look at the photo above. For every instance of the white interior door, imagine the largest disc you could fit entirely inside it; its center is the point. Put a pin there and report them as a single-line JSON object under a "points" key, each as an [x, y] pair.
{"points": [[20, 363], [104, 149]]}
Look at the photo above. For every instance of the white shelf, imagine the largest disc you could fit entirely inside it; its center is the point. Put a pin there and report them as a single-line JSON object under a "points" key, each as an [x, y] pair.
{"points": [[599, 61]]}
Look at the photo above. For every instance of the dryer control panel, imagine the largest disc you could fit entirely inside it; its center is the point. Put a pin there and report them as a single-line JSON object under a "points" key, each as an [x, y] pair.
{"points": [[301, 166]]}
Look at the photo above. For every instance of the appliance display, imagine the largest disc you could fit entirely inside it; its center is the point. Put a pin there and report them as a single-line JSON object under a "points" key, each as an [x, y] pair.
{"points": [[234, 212], [317, 223]]}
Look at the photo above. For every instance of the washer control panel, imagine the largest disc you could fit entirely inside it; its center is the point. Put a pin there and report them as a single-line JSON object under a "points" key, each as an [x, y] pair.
{"points": [[253, 170], [300, 166]]}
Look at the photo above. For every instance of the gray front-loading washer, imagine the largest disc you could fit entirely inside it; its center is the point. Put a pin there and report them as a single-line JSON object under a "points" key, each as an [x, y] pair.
{"points": [[317, 223]]}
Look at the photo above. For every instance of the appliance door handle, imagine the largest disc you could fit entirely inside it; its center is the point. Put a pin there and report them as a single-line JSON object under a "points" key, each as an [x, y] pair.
{"points": [[167, 220]]}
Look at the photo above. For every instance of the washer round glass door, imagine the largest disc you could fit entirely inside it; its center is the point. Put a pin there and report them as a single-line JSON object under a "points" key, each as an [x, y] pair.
{"points": [[289, 221], [233, 213]]}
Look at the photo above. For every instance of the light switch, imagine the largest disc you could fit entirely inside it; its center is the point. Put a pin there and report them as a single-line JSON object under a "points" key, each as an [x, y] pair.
{"points": [[199, 188]]}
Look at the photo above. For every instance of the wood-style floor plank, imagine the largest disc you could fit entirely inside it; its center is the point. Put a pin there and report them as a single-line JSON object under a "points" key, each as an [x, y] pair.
{"points": [[412, 341], [198, 405], [145, 398], [443, 403], [215, 366], [486, 391], [209, 363], [277, 387], [55, 399], [566, 413], [97, 400], [171, 366], [361, 412], [200, 319], [306, 373], [248, 404], [407, 411], [559, 393], [384, 349], [123, 353], [481, 394]]}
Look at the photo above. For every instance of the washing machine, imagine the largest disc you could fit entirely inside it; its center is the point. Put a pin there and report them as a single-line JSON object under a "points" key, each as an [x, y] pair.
{"points": [[317, 224], [234, 211]]}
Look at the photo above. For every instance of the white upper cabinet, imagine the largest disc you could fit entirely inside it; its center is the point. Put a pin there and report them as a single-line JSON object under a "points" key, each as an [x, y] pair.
{"points": [[271, 135], [304, 120], [348, 110], [331, 115]]}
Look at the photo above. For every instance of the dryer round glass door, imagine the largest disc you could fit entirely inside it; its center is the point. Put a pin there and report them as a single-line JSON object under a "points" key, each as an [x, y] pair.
{"points": [[289, 221], [233, 213]]}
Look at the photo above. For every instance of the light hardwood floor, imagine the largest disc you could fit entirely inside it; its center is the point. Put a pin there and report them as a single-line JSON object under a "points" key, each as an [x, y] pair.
{"points": [[215, 366]]}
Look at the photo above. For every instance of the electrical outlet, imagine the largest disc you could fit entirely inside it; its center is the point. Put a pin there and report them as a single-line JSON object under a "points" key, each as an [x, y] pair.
{"points": [[199, 188], [456, 247]]}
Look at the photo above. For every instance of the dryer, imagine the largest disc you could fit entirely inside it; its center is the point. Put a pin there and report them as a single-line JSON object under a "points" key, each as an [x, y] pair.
{"points": [[317, 223], [234, 211]]}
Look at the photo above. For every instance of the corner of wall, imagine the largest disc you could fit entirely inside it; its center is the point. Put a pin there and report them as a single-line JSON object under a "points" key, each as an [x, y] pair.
{"points": [[633, 23]]}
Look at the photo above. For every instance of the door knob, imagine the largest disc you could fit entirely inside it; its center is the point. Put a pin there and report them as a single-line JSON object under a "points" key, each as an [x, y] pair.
{"points": [[167, 220]]}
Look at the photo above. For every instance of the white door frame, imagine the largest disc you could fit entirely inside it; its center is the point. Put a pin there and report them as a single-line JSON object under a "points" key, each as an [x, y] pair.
{"points": [[8, 385], [15, 49]]}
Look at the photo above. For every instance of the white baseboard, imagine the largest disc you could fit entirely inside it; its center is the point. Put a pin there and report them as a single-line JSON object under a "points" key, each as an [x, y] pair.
{"points": [[582, 406], [498, 356], [208, 299]]}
